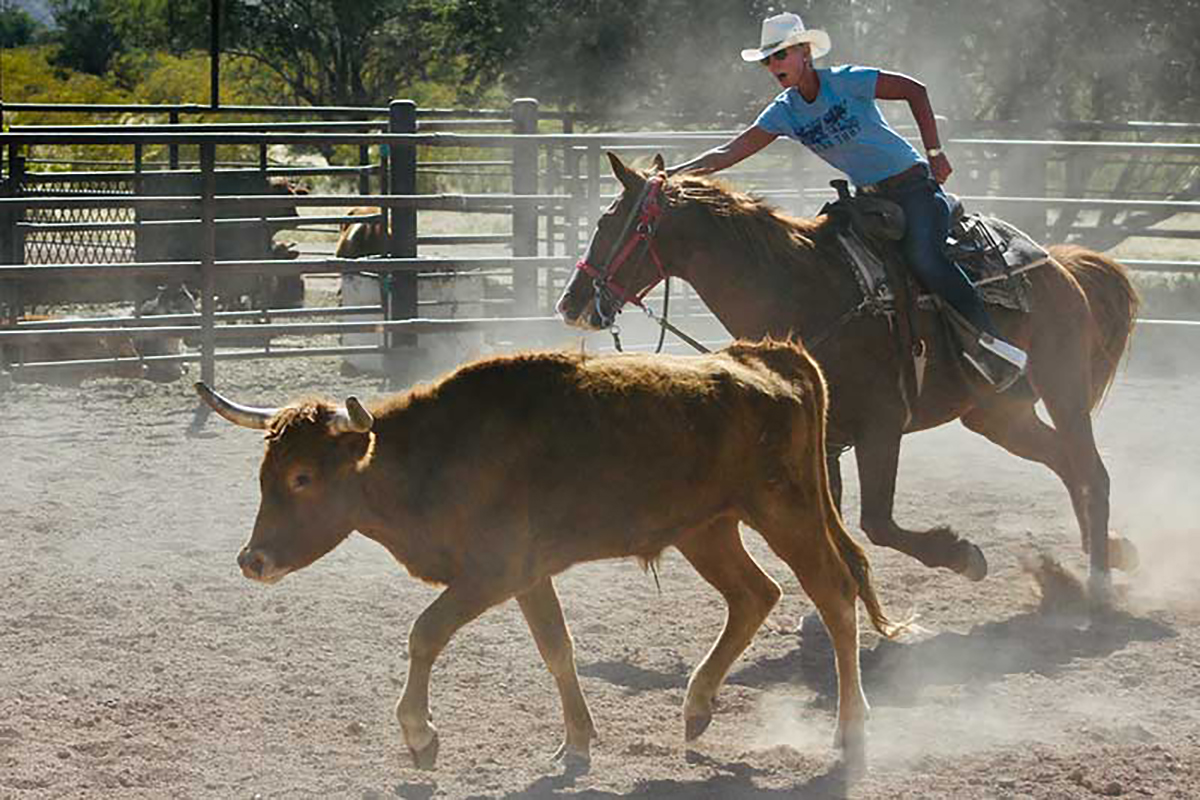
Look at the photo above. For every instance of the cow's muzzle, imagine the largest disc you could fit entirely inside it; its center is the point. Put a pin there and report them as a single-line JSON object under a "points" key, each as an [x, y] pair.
{"points": [[257, 566]]}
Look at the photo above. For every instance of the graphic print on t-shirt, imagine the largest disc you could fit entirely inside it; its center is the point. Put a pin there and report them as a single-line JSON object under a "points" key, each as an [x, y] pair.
{"points": [[843, 125], [836, 126]]}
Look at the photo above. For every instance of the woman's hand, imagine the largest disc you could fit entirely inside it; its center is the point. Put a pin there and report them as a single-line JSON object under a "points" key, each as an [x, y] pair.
{"points": [[939, 165]]}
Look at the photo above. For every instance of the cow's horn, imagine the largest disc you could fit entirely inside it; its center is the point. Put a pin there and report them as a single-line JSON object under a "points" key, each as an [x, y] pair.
{"points": [[352, 419], [246, 416]]}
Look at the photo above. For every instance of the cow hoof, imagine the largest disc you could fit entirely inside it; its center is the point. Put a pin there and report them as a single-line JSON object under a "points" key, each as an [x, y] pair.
{"points": [[426, 757], [693, 727], [574, 760], [853, 749], [1122, 555], [974, 566]]}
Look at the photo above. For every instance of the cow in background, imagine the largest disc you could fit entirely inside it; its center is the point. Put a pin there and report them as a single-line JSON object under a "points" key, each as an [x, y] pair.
{"points": [[359, 239], [125, 354], [250, 241], [510, 470], [171, 299]]}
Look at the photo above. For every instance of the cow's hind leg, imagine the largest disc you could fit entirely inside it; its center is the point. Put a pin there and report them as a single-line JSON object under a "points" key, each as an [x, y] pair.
{"points": [[717, 553], [437, 624], [791, 521], [544, 614]]}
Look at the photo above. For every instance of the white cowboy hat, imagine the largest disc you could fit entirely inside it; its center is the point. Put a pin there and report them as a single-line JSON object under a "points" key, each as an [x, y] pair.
{"points": [[785, 30]]}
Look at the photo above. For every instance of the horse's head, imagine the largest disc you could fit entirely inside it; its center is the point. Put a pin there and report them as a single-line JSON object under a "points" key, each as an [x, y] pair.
{"points": [[621, 264]]}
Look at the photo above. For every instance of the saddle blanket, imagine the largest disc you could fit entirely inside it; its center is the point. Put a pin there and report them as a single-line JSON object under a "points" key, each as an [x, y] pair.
{"points": [[992, 253]]}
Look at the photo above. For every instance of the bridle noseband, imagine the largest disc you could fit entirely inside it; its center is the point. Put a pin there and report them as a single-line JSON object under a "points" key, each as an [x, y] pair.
{"points": [[642, 220]]}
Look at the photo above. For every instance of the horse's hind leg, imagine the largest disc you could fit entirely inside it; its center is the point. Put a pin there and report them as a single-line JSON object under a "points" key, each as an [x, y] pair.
{"points": [[1070, 452], [717, 553], [545, 618], [792, 522]]}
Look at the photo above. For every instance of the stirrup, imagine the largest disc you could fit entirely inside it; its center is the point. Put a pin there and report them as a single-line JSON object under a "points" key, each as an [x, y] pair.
{"points": [[995, 370], [1013, 355]]}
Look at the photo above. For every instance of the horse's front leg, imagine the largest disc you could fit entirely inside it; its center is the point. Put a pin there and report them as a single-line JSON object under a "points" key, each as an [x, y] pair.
{"points": [[878, 454], [430, 634]]}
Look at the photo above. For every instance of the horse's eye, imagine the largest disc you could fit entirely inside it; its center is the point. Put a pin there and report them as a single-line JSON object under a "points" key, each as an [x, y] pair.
{"points": [[300, 480]]}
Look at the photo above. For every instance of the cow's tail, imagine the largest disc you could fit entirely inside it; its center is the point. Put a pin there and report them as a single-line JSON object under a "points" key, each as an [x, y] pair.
{"points": [[854, 557], [789, 358]]}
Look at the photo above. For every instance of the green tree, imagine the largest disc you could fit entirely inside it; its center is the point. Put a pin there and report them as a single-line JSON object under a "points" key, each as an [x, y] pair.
{"points": [[176, 26], [17, 28], [1030, 60], [612, 59], [86, 36], [339, 53]]}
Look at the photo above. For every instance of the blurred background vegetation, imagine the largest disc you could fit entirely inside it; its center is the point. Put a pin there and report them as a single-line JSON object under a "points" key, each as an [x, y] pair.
{"points": [[619, 61]]}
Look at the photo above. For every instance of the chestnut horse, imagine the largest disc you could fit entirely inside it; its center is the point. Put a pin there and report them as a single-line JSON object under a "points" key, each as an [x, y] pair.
{"points": [[763, 273]]}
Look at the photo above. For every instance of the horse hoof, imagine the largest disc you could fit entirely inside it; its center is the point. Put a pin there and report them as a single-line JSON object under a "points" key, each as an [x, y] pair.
{"points": [[695, 726], [1123, 555], [1102, 599], [974, 565], [426, 757]]}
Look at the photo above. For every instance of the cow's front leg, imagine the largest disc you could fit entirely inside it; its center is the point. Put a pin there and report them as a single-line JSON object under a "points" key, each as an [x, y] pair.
{"points": [[878, 455], [430, 634], [544, 615]]}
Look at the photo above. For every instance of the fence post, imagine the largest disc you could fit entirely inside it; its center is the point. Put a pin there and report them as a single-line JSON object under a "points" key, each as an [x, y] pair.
{"points": [[16, 176], [208, 253], [12, 247], [173, 149], [593, 186], [571, 184], [1025, 176], [364, 177], [13, 250], [401, 300], [525, 218]]}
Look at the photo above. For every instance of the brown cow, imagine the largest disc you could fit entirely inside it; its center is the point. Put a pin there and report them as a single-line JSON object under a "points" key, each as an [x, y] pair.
{"points": [[114, 353], [358, 239], [512, 469]]}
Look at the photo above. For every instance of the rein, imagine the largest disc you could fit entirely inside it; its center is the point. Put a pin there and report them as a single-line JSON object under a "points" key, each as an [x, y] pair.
{"points": [[643, 222]]}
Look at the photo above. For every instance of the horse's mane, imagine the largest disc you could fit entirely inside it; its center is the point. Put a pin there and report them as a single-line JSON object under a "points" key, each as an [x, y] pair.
{"points": [[775, 239]]}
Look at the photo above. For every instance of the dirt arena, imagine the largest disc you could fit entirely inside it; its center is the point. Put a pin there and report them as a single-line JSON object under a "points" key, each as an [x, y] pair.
{"points": [[136, 661]]}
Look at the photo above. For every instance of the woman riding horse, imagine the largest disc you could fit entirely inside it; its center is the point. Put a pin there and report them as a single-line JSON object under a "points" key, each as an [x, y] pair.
{"points": [[833, 112]]}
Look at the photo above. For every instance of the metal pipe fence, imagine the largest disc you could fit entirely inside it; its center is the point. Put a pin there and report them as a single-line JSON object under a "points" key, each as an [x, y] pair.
{"points": [[557, 187]]}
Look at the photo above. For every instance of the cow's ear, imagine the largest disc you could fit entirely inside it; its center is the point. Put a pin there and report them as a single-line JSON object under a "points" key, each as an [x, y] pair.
{"points": [[631, 180], [659, 165]]}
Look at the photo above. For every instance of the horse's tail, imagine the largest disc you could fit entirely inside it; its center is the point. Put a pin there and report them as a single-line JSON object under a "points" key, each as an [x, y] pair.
{"points": [[1114, 305]]}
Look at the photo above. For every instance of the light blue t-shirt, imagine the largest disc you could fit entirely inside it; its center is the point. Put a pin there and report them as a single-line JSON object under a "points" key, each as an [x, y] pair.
{"points": [[843, 125]]}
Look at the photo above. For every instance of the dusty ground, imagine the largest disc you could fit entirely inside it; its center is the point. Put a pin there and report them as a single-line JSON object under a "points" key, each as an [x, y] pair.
{"points": [[135, 661]]}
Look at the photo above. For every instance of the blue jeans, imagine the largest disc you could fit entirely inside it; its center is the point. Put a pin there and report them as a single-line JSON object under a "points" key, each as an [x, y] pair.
{"points": [[927, 220]]}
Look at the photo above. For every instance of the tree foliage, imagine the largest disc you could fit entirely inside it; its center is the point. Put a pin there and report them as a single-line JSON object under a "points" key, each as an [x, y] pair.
{"points": [[86, 34], [17, 27], [631, 60], [337, 53], [1036, 60]]}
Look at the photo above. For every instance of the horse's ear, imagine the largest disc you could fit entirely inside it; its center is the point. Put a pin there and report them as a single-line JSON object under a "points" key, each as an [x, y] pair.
{"points": [[659, 165], [631, 180]]}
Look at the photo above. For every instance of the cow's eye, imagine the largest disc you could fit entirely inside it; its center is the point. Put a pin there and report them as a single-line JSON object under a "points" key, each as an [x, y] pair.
{"points": [[300, 480]]}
